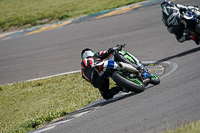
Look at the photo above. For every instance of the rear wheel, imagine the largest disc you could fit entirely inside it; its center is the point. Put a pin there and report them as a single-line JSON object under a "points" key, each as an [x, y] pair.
{"points": [[197, 29], [133, 85]]}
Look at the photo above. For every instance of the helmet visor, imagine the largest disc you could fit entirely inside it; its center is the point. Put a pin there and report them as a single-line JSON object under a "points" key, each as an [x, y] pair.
{"points": [[88, 54], [163, 6]]}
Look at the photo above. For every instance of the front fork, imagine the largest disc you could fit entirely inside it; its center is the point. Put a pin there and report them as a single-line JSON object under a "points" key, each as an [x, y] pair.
{"points": [[145, 81], [145, 76]]}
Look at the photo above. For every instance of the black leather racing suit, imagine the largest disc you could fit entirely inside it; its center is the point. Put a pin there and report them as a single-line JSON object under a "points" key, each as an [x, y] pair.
{"points": [[91, 67], [179, 31]]}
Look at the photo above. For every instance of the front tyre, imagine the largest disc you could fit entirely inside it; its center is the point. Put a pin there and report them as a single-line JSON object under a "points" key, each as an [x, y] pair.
{"points": [[154, 80], [133, 85]]}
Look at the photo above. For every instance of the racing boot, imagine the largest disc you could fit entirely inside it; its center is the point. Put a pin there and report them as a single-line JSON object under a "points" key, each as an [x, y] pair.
{"points": [[113, 91], [195, 39]]}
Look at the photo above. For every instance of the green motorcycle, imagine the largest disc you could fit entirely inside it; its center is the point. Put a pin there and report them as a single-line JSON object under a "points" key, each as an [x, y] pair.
{"points": [[129, 73]]}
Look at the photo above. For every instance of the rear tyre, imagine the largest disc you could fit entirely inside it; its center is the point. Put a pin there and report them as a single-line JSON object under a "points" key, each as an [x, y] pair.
{"points": [[197, 29], [133, 85]]}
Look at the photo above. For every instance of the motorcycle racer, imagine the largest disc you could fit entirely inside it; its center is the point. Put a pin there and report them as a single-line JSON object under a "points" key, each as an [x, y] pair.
{"points": [[173, 19], [93, 68]]}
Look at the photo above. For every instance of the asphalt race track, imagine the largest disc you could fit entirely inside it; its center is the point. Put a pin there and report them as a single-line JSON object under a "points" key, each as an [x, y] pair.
{"points": [[174, 102]]}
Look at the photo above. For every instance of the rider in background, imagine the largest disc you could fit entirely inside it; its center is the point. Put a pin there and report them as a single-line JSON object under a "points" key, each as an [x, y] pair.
{"points": [[93, 67], [172, 18]]}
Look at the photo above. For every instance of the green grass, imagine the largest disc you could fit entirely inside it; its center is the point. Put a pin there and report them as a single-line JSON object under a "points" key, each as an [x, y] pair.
{"points": [[35, 12], [24, 106], [187, 128]]}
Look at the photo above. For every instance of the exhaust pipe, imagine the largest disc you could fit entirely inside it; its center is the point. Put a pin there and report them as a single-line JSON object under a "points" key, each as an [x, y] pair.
{"points": [[128, 67]]}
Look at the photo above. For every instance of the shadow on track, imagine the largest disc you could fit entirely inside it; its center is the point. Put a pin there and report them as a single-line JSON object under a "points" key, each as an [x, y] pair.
{"points": [[179, 55]]}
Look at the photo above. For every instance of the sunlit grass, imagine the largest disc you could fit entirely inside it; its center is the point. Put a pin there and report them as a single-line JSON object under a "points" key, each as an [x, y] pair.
{"points": [[187, 128], [25, 106], [31, 12]]}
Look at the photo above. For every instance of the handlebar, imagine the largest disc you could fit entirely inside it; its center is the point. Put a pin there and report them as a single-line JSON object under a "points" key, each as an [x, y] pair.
{"points": [[120, 46]]}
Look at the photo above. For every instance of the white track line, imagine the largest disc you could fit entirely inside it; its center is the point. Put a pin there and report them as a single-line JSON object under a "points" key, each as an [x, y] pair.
{"points": [[174, 66], [72, 72]]}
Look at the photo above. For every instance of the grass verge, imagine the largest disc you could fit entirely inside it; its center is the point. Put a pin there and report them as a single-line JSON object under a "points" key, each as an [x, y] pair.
{"points": [[193, 127], [16, 13], [25, 106]]}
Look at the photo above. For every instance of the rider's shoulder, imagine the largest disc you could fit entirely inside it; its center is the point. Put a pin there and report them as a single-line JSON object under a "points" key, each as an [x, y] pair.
{"points": [[180, 6]]}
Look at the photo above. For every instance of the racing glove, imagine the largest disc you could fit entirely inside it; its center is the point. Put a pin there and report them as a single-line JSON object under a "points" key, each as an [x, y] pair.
{"points": [[118, 48]]}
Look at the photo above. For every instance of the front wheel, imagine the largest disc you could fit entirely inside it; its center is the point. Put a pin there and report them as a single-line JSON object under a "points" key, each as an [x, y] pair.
{"points": [[154, 80], [133, 85]]}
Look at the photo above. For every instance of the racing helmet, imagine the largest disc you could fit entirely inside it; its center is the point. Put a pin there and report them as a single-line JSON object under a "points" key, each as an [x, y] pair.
{"points": [[171, 16], [167, 3], [87, 52]]}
